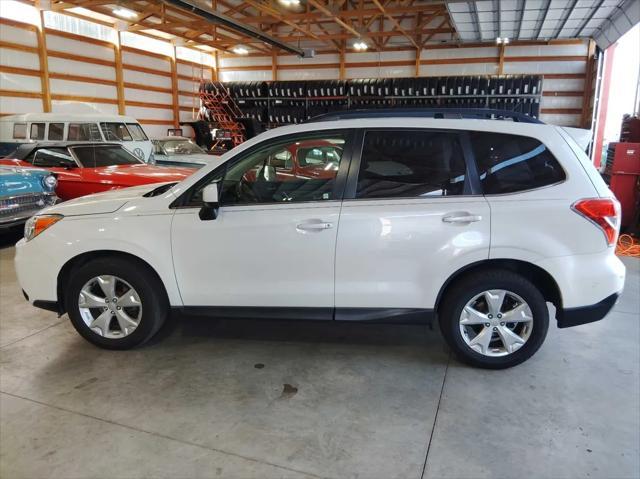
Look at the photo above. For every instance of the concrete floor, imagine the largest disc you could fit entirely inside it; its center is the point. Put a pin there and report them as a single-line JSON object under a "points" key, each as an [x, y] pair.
{"points": [[273, 399]]}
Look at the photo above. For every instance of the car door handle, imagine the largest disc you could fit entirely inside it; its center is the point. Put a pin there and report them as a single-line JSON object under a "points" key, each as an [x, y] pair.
{"points": [[461, 218], [314, 225]]}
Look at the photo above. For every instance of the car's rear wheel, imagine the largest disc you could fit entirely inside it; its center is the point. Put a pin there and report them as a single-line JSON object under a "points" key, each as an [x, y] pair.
{"points": [[116, 303], [494, 319]]}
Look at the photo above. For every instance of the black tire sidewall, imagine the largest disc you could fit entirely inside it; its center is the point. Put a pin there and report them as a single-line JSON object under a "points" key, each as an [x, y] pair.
{"points": [[476, 284], [148, 287]]}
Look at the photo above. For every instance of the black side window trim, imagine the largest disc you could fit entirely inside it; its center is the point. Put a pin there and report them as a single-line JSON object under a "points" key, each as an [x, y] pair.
{"points": [[472, 180], [341, 177]]}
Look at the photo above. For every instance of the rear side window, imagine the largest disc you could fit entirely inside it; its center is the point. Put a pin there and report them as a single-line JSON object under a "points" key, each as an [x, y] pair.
{"points": [[115, 132], [511, 163], [56, 131], [137, 133], [20, 131], [37, 131], [83, 132], [410, 164]]}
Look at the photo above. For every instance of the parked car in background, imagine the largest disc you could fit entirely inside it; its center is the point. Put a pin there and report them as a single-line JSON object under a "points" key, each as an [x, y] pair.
{"points": [[83, 168], [23, 192], [36, 127], [477, 224], [181, 151]]}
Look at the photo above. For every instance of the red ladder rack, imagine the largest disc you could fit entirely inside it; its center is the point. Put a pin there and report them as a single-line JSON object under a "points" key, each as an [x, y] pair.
{"points": [[222, 110]]}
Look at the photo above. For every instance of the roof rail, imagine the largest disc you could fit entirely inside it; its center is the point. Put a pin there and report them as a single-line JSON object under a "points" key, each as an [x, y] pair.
{"points": [[449, 113]]}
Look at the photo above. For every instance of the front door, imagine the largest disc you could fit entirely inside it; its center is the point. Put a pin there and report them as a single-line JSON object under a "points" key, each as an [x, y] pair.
{"points": [[410, 219], [272, 245]]}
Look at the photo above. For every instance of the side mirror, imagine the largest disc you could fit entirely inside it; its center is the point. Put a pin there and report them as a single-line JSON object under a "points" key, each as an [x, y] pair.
{"points": [[210, 206]]}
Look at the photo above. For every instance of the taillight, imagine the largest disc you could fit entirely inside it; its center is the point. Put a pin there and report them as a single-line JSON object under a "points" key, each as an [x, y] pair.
{"points": [[604, 213]]}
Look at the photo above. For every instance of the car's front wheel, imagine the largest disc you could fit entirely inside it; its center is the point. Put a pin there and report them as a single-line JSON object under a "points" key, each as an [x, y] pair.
{"points": [[116, 303], [494, 319]]}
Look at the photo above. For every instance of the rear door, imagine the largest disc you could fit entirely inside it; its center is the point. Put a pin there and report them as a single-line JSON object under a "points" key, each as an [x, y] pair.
{"points": [[412, 216]]}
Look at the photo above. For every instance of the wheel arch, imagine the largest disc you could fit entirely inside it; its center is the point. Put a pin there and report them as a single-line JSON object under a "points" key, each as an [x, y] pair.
{"points": [[83, 258], [537, 275]]}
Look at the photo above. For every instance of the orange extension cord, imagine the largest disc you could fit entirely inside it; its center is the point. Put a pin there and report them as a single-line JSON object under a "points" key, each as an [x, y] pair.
{"points": [[628, 246]]}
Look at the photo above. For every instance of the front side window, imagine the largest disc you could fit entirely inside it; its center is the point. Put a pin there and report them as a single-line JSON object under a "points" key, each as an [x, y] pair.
{"points": [[56, 131], [83, 132], [181, 147], [137, 133], [510, 163], [37, 131], [20, 131], [53, 158], [115, 132], [411, 164], [108, 155], [269, 176]]}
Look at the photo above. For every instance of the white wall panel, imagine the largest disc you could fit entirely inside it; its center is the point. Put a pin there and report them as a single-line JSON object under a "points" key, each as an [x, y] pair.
{"points": [[262, 75], [135, 94], [244, 61], [317, 60], [150, 113], [146, 78], [460, 53], [561, 120], [147, 61], [191, 70], [188, 85], [156, 131], [557, 84], [67, 87], [62, 65], [13, 58], [379, 72], [189, 101], [188, 116], [63, 106], [547, 50], [20, 105], [544, 67], [460, 69], [18, 35], [10, 81], [78, 47], [561, 102], [311, 74]]}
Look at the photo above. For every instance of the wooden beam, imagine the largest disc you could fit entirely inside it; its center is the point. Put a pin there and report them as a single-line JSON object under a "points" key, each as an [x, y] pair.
{"points": [[274, 65], [44, 65], [501, 60], [323, 8], [588, 95], [117, 51], [395, 22], [342, 61], [175, 102]]}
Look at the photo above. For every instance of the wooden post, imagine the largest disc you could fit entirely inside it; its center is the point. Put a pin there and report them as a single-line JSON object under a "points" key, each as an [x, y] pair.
{"points": [[501, 62], [589, 92], [342, 60], [418, 55], [214, 70], [122, 109], [174, 90], [274, 64], [44, 66]]}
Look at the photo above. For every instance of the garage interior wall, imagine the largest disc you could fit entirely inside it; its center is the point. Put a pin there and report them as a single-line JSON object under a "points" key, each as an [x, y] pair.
{"points": [[43, 69], [566, 65]]}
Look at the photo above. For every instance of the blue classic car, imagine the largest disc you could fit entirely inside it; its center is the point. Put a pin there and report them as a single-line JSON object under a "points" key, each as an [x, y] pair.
{"points": [[24, 192]]}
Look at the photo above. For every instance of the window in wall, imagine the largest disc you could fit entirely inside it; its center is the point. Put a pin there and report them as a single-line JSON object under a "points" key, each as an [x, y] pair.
{"points": [[56, 131], [195, 56], [510, 163], [115, 132], [83, 132], [37, 131], [136, 132], [20, 131], [409, 164], [78, 26]]}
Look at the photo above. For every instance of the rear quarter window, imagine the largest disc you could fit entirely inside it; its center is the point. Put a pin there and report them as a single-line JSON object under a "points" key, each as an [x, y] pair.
{"points": [[512, 163]]}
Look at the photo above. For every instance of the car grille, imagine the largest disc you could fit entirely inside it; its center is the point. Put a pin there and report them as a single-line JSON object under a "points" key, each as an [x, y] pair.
{"points": [[24, 206]]}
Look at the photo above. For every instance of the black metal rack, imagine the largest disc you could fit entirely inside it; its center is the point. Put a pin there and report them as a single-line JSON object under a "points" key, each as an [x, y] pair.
{"points": [[286, 102]]}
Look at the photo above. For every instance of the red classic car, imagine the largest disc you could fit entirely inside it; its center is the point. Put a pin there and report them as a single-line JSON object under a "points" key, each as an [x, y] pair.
{"points": [[83, 168]]}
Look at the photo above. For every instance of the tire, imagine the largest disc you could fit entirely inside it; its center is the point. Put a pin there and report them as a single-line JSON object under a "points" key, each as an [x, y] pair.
{"points": [[534, 325], [149, 294]]}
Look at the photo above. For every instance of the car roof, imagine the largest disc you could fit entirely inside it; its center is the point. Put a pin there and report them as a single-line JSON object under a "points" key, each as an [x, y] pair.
{"points": [[68, 117]]}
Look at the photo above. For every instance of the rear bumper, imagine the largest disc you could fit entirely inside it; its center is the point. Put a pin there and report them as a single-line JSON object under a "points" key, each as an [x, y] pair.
{"points": [[586, 314]]}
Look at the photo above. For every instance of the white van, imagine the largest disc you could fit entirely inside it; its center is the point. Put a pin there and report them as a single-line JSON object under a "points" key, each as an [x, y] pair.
{"points": [[31, 127]]}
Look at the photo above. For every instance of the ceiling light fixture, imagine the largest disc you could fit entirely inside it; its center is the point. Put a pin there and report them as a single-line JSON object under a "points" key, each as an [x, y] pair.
{"points": [[240, 51], [124, 12], [503, 41], [360, 46], [289, 3]]}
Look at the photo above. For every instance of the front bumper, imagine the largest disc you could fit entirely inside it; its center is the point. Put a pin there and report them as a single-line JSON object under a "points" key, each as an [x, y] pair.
{"points": [[586, 314], [15, 211]]}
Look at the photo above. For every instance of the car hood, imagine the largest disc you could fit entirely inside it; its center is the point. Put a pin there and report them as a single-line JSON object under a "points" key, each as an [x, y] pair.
{"points": [[21, 181], [132, 174], [101, 203], [203, 159]]}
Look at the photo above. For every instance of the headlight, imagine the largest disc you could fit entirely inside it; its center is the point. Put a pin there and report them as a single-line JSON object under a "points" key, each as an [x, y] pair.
{"points": [[152, 159], [50, 182], [37, 224]]}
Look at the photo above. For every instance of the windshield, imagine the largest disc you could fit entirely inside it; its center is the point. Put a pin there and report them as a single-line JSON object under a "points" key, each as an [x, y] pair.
{"points": [[181, 147], [108, 155]]}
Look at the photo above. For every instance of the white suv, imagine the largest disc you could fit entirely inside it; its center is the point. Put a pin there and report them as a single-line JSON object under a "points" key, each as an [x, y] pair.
{"points": [[478, 223]]}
